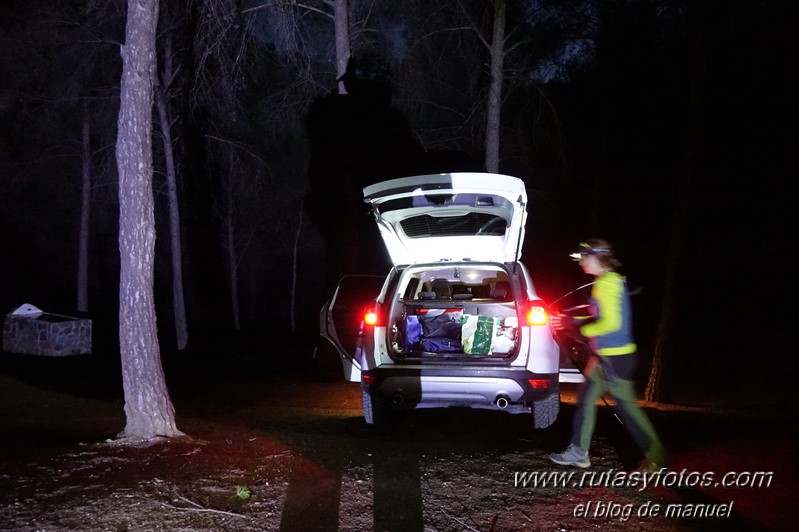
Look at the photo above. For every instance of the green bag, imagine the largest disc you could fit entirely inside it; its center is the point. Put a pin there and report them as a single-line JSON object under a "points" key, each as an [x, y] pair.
{"points": [[477, 334]]}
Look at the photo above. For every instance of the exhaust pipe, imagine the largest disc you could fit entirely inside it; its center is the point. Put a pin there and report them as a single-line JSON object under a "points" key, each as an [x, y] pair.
{"points": [[502, 401], [398, 399]]}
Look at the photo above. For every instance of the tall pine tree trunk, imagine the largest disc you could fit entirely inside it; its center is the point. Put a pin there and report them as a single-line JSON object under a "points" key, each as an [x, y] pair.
{"points": [[148, 408], [341, 24], [295, 268], [495, 88], [85, 212], [680, 223], [230, 242], [178, 302]]}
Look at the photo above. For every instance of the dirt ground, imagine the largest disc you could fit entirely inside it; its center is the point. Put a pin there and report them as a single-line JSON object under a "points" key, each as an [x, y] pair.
{"points": [[278, 450]]}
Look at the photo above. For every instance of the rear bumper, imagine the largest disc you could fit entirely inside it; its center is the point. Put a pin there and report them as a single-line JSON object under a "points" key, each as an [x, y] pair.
{"points": [[571, 375], [513, 390]]}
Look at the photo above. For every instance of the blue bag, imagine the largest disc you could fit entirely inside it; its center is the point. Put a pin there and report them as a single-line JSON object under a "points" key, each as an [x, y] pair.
{"points": [[440, 345], [413, 332]]}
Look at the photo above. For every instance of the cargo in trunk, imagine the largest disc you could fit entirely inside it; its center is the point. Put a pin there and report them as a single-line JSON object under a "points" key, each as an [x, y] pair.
{"points": [[446, 317]]}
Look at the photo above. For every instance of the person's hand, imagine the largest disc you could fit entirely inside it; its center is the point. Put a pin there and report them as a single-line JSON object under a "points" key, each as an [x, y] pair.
{"points": [[559, 322]]}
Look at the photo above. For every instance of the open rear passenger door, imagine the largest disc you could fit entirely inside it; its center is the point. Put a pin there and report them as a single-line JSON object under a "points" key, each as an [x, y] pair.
{"points": [[340, 320]]}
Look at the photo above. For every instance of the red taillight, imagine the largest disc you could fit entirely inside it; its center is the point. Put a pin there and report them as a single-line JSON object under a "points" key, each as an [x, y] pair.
{"points": [[539, 383], [372, 317], [537, 314]]}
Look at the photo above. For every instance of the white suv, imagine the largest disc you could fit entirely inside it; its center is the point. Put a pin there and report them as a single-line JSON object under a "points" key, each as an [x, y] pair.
{"points": [[457, 321]]}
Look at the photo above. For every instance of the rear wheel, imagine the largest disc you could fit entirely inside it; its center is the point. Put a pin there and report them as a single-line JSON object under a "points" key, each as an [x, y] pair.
{"points": [[545, 412], [375, 410]]}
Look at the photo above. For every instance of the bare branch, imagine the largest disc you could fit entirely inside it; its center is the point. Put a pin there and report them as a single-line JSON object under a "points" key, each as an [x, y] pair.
{"points": [[315, 10], [203, 510], [474, 26]]}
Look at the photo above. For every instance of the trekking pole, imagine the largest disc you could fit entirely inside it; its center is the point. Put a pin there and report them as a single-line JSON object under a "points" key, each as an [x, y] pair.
{"points": [[585, 345]]}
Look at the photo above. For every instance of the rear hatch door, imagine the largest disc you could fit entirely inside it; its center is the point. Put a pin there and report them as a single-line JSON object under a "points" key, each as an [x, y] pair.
{"points": [[450, 217]]}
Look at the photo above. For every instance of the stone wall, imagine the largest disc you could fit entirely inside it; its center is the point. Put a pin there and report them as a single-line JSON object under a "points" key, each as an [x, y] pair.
{"points": [[47, 334]]}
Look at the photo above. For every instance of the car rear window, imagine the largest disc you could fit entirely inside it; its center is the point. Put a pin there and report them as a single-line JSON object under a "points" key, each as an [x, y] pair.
{"points": [[474, 223]]}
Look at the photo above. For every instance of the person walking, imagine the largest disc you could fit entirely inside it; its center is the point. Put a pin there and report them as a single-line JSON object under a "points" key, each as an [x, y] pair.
{"points": [[611, 368]]}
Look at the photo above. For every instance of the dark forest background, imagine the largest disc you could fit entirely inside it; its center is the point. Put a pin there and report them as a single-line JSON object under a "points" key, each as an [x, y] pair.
{"points": [[666, 127]]}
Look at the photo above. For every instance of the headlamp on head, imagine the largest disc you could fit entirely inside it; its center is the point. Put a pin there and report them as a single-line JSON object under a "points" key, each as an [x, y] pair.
{"points": [[586, 249]]}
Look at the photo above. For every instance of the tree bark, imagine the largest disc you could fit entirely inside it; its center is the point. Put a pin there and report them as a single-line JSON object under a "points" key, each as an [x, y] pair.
{"points": [[495, 89], [178, 303], [294, 268], [148, 408], [230, 241], [85, 212], [342, 34]]}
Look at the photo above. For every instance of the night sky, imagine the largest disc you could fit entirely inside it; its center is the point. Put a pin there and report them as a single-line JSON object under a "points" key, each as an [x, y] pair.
{"points": [[612, 113]]}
